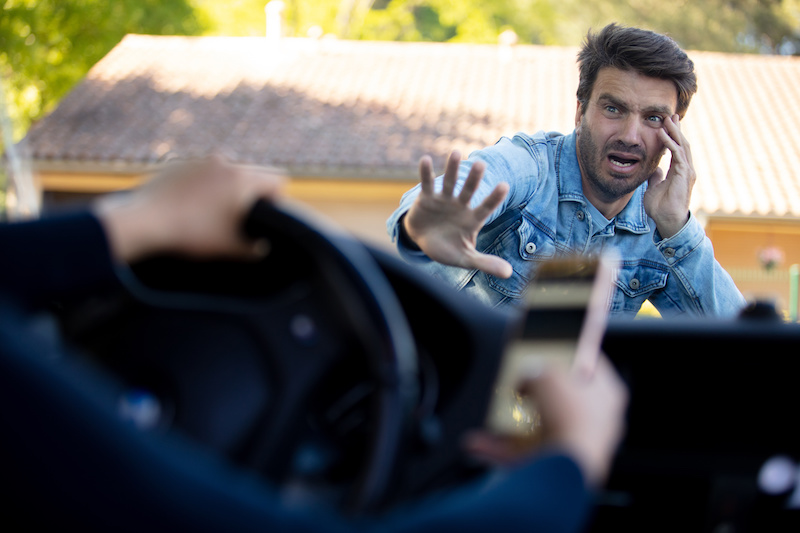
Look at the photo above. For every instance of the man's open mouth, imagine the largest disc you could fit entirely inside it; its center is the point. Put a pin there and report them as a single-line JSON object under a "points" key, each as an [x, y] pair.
{"points": [[622, 161]]}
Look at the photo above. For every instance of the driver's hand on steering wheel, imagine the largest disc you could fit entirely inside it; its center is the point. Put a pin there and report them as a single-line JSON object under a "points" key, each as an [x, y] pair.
{"points": [[581, 414], [192, 208]]}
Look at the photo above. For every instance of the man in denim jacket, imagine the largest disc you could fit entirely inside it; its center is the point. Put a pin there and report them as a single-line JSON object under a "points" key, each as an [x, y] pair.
{"points": [[487, 222]]}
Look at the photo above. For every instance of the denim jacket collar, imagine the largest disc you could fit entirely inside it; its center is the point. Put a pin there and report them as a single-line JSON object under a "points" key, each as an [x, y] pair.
{"points": [[632, 217]]}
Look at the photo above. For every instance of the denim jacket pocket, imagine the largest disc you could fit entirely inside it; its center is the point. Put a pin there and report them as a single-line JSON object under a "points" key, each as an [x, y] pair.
{"points": [[635, 283], [523, 247]]}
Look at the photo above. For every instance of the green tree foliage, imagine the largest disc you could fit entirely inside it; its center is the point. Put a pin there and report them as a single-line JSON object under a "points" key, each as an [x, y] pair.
{"points": [[761, 26], [476, 21], [46, 46], [243, 18]]}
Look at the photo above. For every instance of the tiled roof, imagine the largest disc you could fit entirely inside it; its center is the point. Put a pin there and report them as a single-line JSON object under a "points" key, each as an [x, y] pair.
{"points": [[372, 109]]}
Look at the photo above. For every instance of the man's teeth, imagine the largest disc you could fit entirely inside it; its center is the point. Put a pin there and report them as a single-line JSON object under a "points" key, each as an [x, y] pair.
{"points": [[622, 163]]}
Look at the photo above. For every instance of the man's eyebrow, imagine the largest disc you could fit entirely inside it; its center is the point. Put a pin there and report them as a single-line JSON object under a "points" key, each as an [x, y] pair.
{"points": [[662, 109], [616, 102]]}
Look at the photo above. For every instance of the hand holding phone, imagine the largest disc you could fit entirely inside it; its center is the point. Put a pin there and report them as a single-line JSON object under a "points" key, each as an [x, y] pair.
{"points": [[561, 325]]}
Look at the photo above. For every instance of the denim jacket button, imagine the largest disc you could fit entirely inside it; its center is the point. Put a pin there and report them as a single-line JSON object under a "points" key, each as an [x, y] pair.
{"points": [[580, 215], [634, 284], [530, 248], [669, 253]]}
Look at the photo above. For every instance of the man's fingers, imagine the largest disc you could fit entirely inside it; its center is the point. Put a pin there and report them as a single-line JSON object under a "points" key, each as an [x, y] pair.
{"points": [[672, 127], [426, 176], [492, 265], [673, 139], [681, 140], [492, 202], [448, 225], [451, 173], [471, 183], [668, 141]]}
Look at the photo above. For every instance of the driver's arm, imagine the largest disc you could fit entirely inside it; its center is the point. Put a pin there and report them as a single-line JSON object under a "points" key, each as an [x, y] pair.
{"points": [[192, 208], [548, 486]]}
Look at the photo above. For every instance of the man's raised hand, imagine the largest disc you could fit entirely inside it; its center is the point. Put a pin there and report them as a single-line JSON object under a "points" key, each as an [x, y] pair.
{"points": [[444, 225]]}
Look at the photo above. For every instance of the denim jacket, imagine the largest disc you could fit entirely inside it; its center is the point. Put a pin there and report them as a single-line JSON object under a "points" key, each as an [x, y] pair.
{"points": [[545, 215]]}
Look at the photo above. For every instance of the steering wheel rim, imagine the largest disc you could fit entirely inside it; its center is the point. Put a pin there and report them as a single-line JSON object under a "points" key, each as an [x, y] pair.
{"points": [[355, 287], [394, 361]]}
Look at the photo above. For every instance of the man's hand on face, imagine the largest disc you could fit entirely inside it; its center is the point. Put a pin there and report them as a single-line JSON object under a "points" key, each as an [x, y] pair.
{"points": [[444, 225], [667, 198]]}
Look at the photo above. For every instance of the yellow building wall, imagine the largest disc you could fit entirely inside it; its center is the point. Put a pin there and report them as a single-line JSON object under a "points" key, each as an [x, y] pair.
{"points": [[739, 246]]}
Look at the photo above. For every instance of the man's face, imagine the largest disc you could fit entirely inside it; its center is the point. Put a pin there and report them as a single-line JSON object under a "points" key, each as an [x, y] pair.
{"points": [[618, 145]]}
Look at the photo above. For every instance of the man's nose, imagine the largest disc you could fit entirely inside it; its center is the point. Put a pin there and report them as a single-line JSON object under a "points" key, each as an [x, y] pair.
{"points": [[631, 133]]}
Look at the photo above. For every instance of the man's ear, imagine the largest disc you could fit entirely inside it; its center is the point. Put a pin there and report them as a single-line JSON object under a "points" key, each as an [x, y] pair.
{"points": [[578, 115]]}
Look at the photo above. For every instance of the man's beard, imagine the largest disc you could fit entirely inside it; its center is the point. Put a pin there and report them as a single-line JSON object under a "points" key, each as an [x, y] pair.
{"points": [[617, 185]]}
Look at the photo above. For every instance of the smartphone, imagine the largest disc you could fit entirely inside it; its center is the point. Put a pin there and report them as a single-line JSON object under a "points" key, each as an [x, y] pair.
{"points": [[562, 323]]}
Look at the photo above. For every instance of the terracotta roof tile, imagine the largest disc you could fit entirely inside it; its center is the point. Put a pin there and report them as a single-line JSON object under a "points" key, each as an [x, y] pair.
{"points": [[744, 126], [372, 109]]}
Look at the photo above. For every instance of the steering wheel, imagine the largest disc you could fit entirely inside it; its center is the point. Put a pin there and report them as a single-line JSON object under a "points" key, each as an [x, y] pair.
{"points": [[300, 366]]}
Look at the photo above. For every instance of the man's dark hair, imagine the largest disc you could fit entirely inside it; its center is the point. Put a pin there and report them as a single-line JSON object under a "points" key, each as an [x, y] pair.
{"points": [[642, 51]]}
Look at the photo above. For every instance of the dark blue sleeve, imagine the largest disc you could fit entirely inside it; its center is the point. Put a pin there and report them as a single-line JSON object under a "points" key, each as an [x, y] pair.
{"points": [[546, 495], [53, 258]]}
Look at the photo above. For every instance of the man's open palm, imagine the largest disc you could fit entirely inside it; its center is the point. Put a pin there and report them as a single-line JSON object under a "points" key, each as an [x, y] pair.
{"points": [[445, 227]]}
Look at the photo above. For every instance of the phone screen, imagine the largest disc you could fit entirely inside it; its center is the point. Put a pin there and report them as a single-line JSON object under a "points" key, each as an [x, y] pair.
{"points": [[562, 324]]}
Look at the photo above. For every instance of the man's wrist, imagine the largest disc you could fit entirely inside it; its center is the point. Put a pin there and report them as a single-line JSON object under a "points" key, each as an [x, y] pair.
{"points": [[671, 227], [404, 238]]}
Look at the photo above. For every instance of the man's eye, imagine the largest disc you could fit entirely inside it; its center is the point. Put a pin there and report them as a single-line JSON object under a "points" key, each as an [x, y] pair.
{"points": [[611, 109], [656, 118]]}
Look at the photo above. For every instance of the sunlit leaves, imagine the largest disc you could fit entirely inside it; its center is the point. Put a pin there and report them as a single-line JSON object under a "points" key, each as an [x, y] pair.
{"points": [[46, 46]]}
